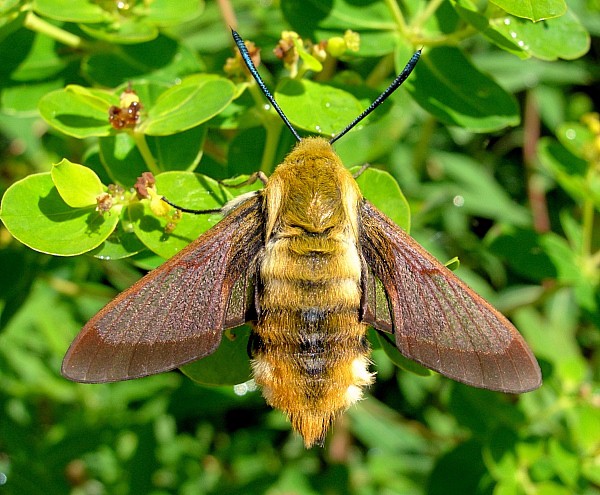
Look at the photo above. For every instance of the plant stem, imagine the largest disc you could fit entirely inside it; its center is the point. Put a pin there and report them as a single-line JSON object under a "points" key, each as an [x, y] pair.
{"points": [[39, 25], [381, 71], [142, 146], [421, 150], [273, 128], [228, 13], [535, 190], [587, 229], [397, 16], [429, 10]]}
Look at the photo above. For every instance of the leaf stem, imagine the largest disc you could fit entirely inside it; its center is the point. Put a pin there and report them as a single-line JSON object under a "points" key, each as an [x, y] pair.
{"points": [[142, 146], [39, 25]]}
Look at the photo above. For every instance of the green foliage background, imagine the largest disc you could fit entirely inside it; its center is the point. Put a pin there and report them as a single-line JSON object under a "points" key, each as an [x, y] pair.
{"points": [[493, 141]]}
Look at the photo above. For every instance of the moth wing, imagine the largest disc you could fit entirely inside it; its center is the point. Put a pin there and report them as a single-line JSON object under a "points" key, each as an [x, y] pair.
{"points": [[437, 320], [176, 313]]}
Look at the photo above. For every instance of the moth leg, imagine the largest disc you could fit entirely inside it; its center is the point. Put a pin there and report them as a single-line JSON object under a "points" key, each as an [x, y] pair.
{"points": [[361, 170], [250, 180]]}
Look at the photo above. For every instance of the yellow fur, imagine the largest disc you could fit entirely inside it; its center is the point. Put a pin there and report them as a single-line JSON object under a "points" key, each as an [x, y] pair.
{"points": [[312, 361]]}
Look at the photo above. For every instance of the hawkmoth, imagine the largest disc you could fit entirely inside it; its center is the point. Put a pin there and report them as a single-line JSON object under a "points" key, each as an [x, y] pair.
{"points": [[312, 264]]}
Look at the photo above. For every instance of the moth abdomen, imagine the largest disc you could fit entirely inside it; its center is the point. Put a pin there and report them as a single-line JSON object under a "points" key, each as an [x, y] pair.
{"points": [[312, 361], [312, 372]]}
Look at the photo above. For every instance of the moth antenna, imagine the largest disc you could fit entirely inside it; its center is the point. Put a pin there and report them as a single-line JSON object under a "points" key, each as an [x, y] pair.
{"points": [[396, 83], [189, 210], [251, 180], [261, 84]]}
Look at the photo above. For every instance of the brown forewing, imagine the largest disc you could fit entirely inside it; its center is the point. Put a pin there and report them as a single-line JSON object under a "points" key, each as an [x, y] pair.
{"points": [[176, 313], [437, 320]]}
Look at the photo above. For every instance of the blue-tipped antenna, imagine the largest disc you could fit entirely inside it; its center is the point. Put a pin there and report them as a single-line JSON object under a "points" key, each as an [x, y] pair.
{"points": [[378, 101], [396, 83], [261, 84]]}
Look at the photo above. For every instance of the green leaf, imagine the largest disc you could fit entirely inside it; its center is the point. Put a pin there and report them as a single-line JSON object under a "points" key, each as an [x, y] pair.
{"points": [[181, 151], [161, 59], [120, 244], [167, 12], [121, 158], [122, 30], [470, 13], [185, 189], [564, 37], [229, 365], [380, 188], [23, 99], [72, 11], [472, 189], [305, 17], [197, 99], [535, 10], [77, 185], [317, 108], [569, 268], [245, 151], [310, 62], [566, 463], [569, 170], [35, 214], [577, 138], [448, 86], [522, 250], [397, 358], [584, 425], [77, 111]]}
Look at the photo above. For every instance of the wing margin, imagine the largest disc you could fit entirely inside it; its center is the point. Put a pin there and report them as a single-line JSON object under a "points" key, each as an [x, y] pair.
{"points": [[437, 319], [177, 312]]}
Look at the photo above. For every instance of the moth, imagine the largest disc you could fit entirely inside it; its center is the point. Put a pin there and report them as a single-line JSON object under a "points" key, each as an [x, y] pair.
{"points": [[312, 265]]}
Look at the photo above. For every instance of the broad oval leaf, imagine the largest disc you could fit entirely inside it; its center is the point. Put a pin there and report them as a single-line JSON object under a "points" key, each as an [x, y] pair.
{"points": [[122, 158], [398, 359], [469, 12], [77, 111], [125, 30], [187, 190], [308, 16], [317, 108], [162, 59], [229, 365], [77, 185], [535, 10], [72, 11], [120, 244], [380, 188], [447, 85], [197, 99], [164, 13], [35, 214], [564, 37]]}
